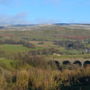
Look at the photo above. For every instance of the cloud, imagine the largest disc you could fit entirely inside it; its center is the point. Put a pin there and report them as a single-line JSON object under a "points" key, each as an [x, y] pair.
{"points": [[19, 18]]}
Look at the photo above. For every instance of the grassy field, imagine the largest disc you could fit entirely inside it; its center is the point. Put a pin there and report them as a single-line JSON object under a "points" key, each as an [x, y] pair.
{"points": [[7, 64], [68, 57], [8, 49], [13, 48]]}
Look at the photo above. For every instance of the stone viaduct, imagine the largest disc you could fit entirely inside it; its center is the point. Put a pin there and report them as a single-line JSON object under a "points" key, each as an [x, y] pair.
{"points": [[79, 62]]}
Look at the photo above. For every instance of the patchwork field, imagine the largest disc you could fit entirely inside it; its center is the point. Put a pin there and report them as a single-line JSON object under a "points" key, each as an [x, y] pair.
{"points": [[30, 58]]}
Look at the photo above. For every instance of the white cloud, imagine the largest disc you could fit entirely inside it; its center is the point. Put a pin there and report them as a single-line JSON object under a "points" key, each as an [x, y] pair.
{"points": [[19, 18]]}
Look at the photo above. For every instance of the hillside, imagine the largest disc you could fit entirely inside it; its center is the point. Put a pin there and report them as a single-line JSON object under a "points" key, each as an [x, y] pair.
{"points": [[45, 57], [47, 32]]}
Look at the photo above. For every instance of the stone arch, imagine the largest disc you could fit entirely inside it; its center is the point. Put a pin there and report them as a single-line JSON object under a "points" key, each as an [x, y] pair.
{"points": [[58, 64], [86, 63], [54, 64], [79, 63], [67, 62]]}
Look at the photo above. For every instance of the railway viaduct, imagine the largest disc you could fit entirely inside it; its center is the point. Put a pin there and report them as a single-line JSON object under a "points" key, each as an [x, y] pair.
{"points": [[79, 62]]}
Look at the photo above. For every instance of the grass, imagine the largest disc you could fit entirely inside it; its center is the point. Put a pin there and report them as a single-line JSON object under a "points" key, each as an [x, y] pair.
{"points": [[13, 48], [84, 56], [39, 79], [8, 64]]}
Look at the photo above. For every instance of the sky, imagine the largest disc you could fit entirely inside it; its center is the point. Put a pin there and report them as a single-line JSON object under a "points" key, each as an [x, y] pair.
{"points": [[44, 11]]}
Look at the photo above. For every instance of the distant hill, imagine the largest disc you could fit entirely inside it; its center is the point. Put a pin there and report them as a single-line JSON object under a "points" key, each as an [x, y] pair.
{"points": [[59, 24], [46, 32]]}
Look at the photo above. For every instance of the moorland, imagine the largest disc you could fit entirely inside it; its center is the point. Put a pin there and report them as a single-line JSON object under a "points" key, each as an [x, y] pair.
{"points": [[30, 56]]}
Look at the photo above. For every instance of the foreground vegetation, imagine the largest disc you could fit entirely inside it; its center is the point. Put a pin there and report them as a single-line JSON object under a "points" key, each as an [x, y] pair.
{"points": [[23, 71], [29, 78]]}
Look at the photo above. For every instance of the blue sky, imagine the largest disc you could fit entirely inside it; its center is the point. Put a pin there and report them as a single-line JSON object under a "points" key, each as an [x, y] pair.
{"points": [[44, 11]]}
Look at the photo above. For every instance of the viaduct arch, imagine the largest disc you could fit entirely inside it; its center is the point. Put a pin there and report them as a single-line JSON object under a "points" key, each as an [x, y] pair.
{"points": [[80, 63]]}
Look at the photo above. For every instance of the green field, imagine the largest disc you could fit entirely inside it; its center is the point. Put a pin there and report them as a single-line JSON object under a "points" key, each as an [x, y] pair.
{"points": [[8, 64], [13, 48]]}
